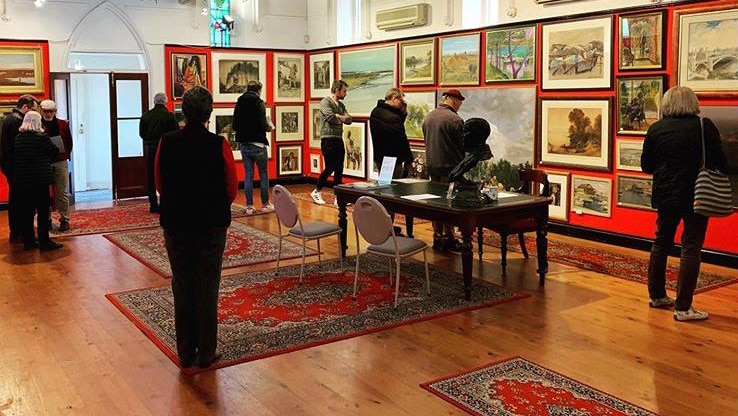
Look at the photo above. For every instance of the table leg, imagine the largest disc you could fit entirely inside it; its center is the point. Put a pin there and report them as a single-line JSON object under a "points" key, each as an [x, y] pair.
{"points": [[343, 223], [467, 257], [542, 249]]}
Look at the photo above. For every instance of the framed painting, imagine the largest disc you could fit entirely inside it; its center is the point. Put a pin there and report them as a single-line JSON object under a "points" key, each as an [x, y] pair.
{"points": [[315, 163], [638, 103], [707, 58], [577, 54], [511, 54], [188, 70], [179, 115], [289, 123], [354, 141], [418, 62], [371, 168], [459, 59], [633, 191], [591, 195], [270, 135], [233, 71], [726, 120], [21, 70], [369, 72], [288, 77], [221, 123], [419, 104], [419, 169], [290, 160], [574, 132], [641, 41], [559, 186], [6, 107], [321, 74], [628, 154], [314, 125]]}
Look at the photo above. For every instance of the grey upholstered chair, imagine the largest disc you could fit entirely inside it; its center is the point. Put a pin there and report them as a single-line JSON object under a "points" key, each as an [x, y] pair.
{"points": [[375, 225], [289, 216]]}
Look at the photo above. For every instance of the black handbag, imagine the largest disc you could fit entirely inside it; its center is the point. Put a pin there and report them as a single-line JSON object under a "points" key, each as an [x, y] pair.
{"points": [[713, 194]]}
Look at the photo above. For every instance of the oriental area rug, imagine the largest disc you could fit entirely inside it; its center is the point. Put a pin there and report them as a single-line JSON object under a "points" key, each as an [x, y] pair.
{"points": [[615, 264], [125, 215], [244, 245], [517, 387], [261, 315]]}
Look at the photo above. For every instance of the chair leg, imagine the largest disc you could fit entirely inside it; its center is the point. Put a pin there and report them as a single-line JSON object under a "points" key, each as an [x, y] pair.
{"points": [[389, 264], [521, 238], [503, 252], [397, 281], [279, 254], [480, 240], [302, 265], [356, 271], [319, 262], [427, 279]]}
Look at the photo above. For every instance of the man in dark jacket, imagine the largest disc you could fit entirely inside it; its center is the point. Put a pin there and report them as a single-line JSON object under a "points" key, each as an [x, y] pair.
{"points": [[61, 136], [387, 125], [153, 125], [8, 132]]}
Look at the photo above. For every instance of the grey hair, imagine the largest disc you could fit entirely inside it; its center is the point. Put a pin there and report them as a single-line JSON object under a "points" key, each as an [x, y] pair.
{"points": [[32, 122], [679, 101], [160, 98], [393, 92]]}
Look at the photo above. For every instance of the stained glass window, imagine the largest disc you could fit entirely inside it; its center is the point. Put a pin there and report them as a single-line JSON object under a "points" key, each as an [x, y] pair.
{"points": [[220, 26]]}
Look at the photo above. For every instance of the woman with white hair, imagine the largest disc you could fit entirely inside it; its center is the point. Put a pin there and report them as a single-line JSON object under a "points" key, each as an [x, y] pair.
{"points": [[32, 176]]}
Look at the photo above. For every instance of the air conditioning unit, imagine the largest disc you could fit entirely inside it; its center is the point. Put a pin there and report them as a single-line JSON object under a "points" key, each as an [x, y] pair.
{"points": [[403, 17]]}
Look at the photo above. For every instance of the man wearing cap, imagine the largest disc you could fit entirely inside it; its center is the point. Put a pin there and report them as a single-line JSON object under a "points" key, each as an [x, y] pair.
{"points": [[153, 125], [8, 131], [443, 130], [58, 131]]}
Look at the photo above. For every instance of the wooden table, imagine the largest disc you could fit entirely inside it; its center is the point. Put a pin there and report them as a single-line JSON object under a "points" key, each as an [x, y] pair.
{"points": [[503, 211]]}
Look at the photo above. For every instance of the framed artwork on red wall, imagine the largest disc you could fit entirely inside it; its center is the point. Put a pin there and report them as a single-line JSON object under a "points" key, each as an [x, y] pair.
{"points": [[233, 71], [641, 41], [638, 103], [21, 69], [322, 74], [289, 70], [188, 70], [591, 195], [511, 54], [418, 62], [559, 186], [290, 160], [459, 59], [633, 191]]}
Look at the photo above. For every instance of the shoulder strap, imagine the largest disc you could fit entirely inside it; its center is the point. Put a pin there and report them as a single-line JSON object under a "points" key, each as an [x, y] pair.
{"points": [[702, 137]]}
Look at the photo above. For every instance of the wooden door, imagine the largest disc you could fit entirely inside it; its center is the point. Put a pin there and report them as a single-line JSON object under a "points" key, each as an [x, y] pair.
{"points": [[128, 101]]}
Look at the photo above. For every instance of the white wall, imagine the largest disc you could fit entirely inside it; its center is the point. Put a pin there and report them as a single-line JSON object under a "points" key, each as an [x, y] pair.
{"points": [[528, 10]]}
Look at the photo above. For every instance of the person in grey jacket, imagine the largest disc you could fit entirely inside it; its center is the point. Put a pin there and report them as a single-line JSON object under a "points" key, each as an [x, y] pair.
{"points": [[333, 115]]}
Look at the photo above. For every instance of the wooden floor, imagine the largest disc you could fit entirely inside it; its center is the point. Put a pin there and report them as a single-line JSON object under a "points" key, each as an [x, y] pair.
{"points": [[66, 350]]}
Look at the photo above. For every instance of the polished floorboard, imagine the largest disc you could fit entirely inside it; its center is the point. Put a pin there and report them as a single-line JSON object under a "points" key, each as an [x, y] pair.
{"points": [[66, 350]]}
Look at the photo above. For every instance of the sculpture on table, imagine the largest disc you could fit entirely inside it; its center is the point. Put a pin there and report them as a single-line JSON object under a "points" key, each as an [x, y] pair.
{"points": [[466, 192]]}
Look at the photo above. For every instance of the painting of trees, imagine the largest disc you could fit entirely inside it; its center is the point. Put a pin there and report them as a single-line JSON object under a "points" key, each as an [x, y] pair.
{"points": [[511, 54]]}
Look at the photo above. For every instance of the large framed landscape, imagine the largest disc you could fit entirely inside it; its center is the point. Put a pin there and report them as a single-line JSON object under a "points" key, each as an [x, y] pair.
{"points": [[418, 62], [21, 69], [369, 72], [233, 71], [574, 132], [511, 54]]}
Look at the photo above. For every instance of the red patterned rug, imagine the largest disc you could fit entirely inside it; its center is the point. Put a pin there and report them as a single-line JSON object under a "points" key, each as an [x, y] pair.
{"points": [[127, 214], [261, 316], [619, 265], [329, 198], [244, 245], [517, 387]]}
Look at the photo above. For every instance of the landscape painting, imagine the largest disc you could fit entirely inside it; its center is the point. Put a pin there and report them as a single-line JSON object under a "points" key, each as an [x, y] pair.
{"points": [[726, 121], [641, 41], [418, 62], [460, 60], [511, 54], [288, 77], [511, 113], [577, 55], [634, 191], [639, 103], [369, 74], [232, 71], [574, 133], [590, 195], [628, 154], [21, 70], [419, 104]]}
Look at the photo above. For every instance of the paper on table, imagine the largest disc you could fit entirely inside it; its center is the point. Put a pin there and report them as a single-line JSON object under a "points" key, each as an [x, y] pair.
{"points": [[420, 197], [410, 180], [501, 195]]}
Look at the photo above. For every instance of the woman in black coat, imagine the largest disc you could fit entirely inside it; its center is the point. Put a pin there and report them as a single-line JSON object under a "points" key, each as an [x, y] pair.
{"points": [[672, 152]]}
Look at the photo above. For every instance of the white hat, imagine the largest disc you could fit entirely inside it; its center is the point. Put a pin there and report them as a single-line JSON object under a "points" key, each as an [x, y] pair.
{"points": [[48, 105]]}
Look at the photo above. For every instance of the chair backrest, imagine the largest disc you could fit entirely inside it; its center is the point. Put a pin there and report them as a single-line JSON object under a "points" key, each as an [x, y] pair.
{"points": [[284, 206], [372, 220], [534, 182]]}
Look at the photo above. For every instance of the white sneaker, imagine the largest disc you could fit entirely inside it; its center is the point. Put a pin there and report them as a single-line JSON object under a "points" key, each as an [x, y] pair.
{"points": [[268, 207], [250, 210], [665, 302], [317, 198], [690, 314]]}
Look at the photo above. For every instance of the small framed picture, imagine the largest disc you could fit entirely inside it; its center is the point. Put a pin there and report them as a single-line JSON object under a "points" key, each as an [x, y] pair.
{"points": [[638, 103], [315, 163], [628, 154], [418, 62], [354, 141], [419, 169], [559, 186], [634, 191], [270, 135], [232, 71], [591, 195], [322, 74], [419, 104], [641, 41], [290, 160], [289, 123], [314, 125], [288, 77], [459, 59], [221, 123], [511, 54]]}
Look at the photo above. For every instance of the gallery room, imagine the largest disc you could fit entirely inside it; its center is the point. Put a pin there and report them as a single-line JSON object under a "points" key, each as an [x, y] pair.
{"points": [[521, 276]]}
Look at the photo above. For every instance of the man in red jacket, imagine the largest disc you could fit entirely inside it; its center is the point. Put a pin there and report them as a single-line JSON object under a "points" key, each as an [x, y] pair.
{"points": [[58, 131]]}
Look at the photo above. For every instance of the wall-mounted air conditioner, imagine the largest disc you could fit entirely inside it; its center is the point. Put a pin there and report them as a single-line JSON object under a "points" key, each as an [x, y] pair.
{"points": [[403, 17]]}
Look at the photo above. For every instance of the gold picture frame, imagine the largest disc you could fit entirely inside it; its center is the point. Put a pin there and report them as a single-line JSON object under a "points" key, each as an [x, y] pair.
{"points": [[21, 70]]}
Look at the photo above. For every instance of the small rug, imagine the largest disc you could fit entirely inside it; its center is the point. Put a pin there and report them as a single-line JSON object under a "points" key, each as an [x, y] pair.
{"points": [[261, 315], [619, 265], [244, 245], [517, 387], [329, 198], [128, 214]]}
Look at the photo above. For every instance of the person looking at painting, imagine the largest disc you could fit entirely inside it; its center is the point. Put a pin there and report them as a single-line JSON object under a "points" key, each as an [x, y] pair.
{"points": [[672, 152], [61, 136], [333, 115], [443, 130], [195, 162], [152, 126], [8, 132], [387, 125], [252, 125]]}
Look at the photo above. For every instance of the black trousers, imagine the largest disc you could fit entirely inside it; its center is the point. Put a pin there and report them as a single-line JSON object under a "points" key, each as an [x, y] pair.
{"points": [[150, 155], [333, 153], [693, 238], [196, 258], [29, 202]]}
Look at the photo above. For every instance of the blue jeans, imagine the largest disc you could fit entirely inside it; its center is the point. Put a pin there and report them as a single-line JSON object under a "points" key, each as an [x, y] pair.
{"points": [[254, 154]]}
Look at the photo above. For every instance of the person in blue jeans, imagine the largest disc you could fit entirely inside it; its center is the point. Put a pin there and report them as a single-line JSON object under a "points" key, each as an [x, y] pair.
{"points": [[251, 124]]}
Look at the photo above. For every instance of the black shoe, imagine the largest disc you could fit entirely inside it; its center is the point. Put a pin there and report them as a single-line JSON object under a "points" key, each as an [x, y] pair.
{"points": [[50, 245], [207, 363], [64, 225]]}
